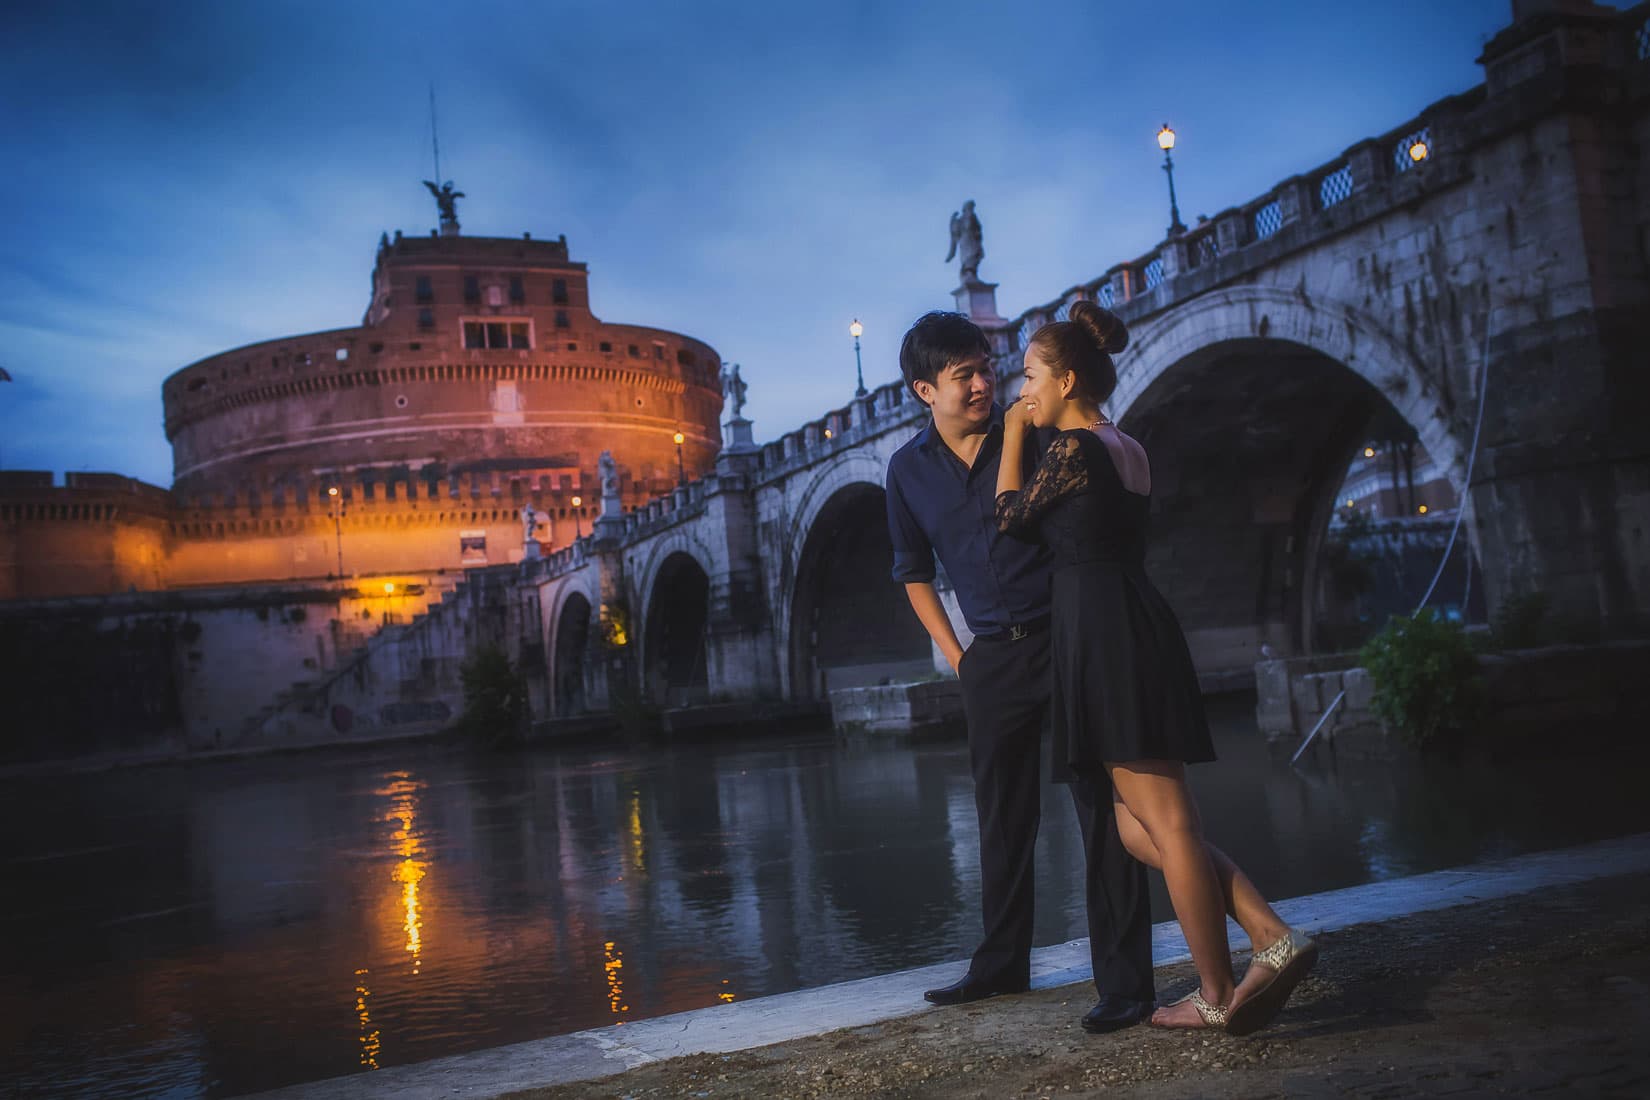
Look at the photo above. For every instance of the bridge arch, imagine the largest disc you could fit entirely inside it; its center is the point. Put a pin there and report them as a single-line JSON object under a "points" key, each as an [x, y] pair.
{"points": [[1252, 402], [846, 622], [674, 657], [571, 627]]}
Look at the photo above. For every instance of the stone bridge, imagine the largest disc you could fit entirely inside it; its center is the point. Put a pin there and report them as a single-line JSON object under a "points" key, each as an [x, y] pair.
{"points": [[1494, 246]]}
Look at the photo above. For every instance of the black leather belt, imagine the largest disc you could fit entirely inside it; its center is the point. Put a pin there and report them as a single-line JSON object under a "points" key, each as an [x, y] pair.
{"points": [[1015, 632]]}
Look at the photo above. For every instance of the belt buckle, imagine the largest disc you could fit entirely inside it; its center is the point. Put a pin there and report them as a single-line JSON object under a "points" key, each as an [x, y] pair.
{"points": [[1016, 633]]}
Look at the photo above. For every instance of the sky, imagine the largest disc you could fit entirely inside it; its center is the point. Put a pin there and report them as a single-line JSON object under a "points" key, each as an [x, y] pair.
{"points": [[183, 178]]}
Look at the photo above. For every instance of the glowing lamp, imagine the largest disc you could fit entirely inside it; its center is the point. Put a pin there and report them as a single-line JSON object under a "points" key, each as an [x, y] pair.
{"points": [[856, 330], [1419, 152], [1165, 138]]}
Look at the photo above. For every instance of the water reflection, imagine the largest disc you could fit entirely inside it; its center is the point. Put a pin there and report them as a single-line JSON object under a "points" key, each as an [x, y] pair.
{"points": [[369, 1036], [221, 929], [409, 872]]}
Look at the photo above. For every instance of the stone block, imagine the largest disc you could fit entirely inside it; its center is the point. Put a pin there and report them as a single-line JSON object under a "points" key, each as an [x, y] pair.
{"points": [[923, 708]]}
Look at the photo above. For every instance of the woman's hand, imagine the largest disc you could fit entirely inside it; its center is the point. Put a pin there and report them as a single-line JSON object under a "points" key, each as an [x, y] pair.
{"points": [[1016, 418]]}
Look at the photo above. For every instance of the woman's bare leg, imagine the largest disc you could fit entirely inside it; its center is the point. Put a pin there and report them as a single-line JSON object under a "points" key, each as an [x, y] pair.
{"points": [[1244, 903], [1154, 793]]}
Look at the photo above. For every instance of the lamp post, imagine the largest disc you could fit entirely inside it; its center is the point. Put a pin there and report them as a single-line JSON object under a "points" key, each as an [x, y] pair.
{"points": [[681, 471], [337, 508], [1165, 141], [855, 330], [578, 528]]}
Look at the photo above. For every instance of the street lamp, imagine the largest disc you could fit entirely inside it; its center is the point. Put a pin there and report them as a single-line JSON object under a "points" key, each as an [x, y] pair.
{"points": [[578, 528], [336, 504], [855, 330], [681, 472], [1165, 141]]}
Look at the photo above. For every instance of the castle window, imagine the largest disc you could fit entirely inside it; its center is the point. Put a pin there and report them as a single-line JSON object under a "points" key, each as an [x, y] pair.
{"points": [[572, 346], [342, 355], [425, 294], [495, 296], [558, 292], [518, 294], [635, 352], [658, 350], [561, 318], [497, 334], [607, 347], [472, 289], [426, 318]]}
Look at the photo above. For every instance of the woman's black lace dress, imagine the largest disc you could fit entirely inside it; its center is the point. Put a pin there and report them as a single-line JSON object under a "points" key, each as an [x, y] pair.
{"points": [[1124, 686]]}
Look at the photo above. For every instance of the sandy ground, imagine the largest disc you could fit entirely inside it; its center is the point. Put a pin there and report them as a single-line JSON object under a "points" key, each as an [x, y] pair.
{"points": [[1543, 993]]}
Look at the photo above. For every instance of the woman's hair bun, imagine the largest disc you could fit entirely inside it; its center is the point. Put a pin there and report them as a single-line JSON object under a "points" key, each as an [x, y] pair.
{"points": [[1106, 328]]}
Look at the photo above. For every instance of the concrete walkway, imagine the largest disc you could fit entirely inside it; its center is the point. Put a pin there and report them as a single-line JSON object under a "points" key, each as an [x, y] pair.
{"points": [[787, 1018]]}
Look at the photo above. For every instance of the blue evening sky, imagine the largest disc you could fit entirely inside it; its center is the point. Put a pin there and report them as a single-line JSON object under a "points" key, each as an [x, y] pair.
{"points": [[183, 178]]}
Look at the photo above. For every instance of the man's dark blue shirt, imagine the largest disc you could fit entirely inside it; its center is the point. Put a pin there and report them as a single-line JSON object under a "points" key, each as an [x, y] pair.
{"points": [[937, 507]]}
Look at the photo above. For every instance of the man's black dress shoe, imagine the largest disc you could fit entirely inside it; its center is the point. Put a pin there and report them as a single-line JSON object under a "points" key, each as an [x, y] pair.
{"points": [[962, 992], [1115, 1014]]}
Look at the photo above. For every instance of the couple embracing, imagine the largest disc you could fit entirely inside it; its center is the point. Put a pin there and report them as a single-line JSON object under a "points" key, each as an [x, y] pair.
{"points": [[1038, 514]]}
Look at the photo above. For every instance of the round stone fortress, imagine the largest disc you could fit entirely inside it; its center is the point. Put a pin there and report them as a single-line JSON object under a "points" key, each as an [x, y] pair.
{"points": [[462, 421], [477, 358]]}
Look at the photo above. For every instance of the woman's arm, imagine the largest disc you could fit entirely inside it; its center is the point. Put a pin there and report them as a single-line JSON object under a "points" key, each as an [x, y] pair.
{"points": [[1010, 471], [1059, 475]]}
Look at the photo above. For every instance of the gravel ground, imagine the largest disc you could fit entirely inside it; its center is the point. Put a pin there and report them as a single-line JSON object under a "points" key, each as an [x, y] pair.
{"points": [[1544, 993]]}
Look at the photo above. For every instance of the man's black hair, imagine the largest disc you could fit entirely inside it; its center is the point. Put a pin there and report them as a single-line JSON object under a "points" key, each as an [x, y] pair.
{"points": [[936, 341]]}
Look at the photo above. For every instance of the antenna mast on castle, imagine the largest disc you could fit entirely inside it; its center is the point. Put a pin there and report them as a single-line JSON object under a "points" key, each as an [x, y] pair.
{"points": [[446, 199], [435, 140]]}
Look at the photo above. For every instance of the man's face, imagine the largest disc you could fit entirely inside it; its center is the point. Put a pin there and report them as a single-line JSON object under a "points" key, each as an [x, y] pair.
{"points": [[962, 393]]}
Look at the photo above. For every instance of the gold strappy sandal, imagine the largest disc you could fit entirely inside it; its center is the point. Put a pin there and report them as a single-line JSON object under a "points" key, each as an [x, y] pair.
{"points": [[1213, 1016], [1292, 957]]}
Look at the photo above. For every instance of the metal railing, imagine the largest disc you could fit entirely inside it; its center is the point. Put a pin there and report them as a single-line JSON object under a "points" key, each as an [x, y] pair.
{"points": [[1266, 221], [1336, 187]]}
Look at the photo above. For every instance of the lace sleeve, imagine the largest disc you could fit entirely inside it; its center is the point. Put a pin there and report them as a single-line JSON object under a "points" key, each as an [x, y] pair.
{"points": [[1061, 473]]}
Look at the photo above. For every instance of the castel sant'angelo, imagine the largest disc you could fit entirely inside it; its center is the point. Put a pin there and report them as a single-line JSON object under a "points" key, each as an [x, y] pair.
{"points": [[478, 385]]}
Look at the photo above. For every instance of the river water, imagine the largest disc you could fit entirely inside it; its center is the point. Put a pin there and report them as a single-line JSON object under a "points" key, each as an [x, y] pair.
{"points": [[215, 929]]}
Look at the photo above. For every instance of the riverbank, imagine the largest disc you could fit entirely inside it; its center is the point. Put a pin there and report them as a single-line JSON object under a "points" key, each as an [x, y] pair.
{"points": [[1512, 977]]}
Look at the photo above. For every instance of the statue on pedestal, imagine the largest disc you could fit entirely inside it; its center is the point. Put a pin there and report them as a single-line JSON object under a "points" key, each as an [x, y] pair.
{"points": [[610, 477], [967, 242], [529, 523], [733, 391], [446, 200]]}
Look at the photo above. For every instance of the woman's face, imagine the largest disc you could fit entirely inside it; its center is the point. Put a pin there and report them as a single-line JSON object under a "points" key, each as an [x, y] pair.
{"points": [[1043, 394]]}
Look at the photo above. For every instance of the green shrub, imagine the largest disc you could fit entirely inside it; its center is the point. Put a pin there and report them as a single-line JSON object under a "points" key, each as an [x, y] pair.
{"points": [[495, 698], [1427, 682]]}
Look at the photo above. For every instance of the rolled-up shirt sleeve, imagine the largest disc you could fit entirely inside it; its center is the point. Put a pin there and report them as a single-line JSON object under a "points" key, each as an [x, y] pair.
{"points": [[913, 553]]}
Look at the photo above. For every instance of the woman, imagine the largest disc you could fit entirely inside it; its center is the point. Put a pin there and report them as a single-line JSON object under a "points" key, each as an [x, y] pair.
{"points": [[1126, 700]]}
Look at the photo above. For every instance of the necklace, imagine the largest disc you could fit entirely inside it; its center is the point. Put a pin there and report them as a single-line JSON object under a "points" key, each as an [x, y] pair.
{"points": [[1101, 423]]}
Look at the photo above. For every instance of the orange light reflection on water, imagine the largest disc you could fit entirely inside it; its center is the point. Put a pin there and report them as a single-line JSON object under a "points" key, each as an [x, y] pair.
{"points": [[612, 967], [403, 792], [369, 1035]]}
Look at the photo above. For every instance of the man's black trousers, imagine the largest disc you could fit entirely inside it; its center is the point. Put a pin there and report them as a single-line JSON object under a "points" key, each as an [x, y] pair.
{"points": [[1006, 689]]}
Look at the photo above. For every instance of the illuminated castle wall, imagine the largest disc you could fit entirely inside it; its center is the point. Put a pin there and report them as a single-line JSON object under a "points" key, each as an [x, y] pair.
{"points": [[479, 382]]}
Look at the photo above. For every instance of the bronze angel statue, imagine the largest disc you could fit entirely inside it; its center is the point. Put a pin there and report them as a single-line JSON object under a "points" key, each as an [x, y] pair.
{"points": [[447, 199], [966, 241]]}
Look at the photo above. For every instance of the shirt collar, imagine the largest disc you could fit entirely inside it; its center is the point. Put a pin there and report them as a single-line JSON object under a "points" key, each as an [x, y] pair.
{"points": [[930, 437]]}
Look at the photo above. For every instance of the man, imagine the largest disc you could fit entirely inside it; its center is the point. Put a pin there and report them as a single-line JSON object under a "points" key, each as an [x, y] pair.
{"points": [[941, 503]]}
